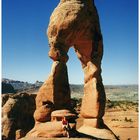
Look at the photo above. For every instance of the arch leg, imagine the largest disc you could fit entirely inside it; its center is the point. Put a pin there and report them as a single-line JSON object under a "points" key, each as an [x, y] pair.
{"points": [[93, 101], [54, 94]]}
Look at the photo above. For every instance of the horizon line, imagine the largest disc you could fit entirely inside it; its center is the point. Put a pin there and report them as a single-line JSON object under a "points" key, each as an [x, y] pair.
{"points": [[73, 83]]}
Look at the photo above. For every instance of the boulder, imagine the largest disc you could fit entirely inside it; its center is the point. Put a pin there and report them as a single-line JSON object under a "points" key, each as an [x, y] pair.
{"points": [[58, 115], [17, 113], [43, 114]]}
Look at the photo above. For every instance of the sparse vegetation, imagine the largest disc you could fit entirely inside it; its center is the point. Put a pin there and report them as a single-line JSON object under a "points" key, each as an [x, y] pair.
{"points": [[125, 105], [115, 120], [128, 120]]}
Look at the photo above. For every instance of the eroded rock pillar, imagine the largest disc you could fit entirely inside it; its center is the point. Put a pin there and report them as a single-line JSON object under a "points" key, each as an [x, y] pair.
{"points": [[55, 92], [93, 102]]}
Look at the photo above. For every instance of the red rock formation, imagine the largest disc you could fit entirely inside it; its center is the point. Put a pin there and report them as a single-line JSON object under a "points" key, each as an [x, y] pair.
{"points": [[17, 115], [54, 93], [74, 23], [53, 128]]}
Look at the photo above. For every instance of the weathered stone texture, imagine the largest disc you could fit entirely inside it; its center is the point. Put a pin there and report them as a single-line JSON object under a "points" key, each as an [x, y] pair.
{"points": [[54, 93], [17, 113], [76, 23], [73, 23], [54, 127]]}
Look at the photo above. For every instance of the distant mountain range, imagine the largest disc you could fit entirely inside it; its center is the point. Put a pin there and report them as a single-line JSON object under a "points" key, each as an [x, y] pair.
{"points": [[76, 90], [20, 85]]}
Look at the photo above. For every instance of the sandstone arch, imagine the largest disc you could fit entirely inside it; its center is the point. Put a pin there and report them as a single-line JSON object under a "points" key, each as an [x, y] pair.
{"points": [[74, 23], [79, 27]]}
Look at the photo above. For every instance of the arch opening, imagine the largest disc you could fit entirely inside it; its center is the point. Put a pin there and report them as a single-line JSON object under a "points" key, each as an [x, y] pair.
{"points": [[75, 75]]}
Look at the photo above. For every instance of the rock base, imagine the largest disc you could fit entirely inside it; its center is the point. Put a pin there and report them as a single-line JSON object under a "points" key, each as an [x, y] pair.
{"points": [[100, 133], [54, 128], [48, 130]]}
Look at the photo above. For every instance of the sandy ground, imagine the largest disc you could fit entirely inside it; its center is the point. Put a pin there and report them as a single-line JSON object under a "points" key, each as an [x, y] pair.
{"points": [[123, 123]]}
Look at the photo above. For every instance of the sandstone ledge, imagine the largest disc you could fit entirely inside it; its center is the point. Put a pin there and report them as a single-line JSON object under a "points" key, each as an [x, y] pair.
{"points": [[37, 138]]}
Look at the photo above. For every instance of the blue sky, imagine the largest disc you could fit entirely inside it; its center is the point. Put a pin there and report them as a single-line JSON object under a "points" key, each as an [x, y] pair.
{"points": [[25, 44]]}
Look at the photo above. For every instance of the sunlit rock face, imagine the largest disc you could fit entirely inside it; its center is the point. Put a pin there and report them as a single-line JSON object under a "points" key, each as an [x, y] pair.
{"points": [[74, 23], [17, 114]]}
